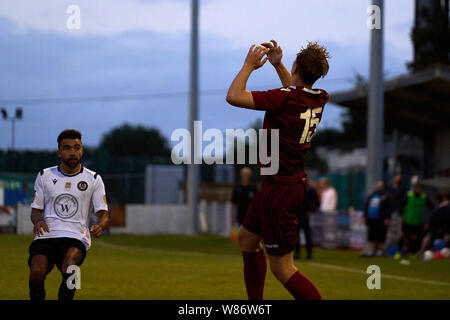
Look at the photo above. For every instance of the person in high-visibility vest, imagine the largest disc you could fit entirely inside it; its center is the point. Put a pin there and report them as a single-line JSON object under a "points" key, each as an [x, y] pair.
{"points": [[414, 206]]}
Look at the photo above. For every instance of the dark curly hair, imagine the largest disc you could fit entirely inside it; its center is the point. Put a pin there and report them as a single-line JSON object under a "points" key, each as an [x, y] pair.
{"points": [[69, 134], [312, 62]]}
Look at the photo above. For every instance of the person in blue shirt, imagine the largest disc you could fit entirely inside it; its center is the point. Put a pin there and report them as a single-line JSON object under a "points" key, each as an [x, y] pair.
{"points": [[376, 214]]}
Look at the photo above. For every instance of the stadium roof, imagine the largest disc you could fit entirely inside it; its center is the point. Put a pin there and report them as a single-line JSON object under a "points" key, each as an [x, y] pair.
{"points": [[415, 103]]}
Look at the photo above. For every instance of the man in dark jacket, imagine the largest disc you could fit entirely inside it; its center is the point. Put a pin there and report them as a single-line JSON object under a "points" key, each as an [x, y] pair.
{"points": [[242, 196], [396, 193], [376, 213], [310, 205]]}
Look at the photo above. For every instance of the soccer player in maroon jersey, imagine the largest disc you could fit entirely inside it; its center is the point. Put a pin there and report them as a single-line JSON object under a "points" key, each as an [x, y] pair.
{"points": [[273, 216]]}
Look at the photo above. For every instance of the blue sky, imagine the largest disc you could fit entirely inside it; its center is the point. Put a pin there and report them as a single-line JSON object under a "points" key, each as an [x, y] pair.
{"points": [[133, 47]]}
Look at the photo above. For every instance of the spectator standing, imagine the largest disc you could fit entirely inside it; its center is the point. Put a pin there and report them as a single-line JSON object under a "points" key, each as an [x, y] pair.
{"points": [[242, 196], [396, 193], [376, 214], [414, 205], [328, 201], [310, 205]]}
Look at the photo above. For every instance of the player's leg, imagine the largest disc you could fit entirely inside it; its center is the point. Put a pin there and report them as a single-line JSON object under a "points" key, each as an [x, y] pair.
{"points": [[73, 254], [40, 261], [249, 237], [38, 271], [294, 281], [248, 241], [280, 234], [255, 265]]}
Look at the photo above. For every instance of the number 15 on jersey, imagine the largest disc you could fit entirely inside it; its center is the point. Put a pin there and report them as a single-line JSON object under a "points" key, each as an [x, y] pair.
{"points": [[311, 122]]}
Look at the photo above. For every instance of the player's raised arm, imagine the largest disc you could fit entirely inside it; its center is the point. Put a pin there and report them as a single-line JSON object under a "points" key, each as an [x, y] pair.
{"points": [[237, 94], [274, 55]]}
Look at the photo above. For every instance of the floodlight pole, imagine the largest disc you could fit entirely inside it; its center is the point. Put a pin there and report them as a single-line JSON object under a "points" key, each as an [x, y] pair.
{"points": [[13, 121], [193, 169], [375, 112]]}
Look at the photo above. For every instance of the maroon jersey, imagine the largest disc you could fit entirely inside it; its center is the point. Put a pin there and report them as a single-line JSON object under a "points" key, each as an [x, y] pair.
{"points": [[296, 113]]}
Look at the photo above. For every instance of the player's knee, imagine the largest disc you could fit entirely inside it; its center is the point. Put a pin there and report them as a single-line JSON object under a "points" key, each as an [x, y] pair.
{"points": [[276, 271], [244, 244], [37, 273], [248, 242], [67, 263], [282, 271]]}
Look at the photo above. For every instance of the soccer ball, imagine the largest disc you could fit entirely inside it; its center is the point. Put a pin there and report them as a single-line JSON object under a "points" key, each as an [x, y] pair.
{"points": [[428, 255], [445, 252]]}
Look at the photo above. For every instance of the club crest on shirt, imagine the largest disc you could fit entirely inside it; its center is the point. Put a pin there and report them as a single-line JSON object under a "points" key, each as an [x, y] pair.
{"points": [[82, 185], [65, 206], [67, 185]]}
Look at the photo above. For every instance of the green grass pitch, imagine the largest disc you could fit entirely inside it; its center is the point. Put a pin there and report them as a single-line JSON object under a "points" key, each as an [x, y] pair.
{"points": [[209, 267]]}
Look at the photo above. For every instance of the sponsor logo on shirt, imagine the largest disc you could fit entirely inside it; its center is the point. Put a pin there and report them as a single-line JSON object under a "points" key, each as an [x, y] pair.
{"points": [[82, 185], [65, 206]]}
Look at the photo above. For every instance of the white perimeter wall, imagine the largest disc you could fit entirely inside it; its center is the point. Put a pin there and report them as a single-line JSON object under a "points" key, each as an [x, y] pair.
{"points": [[214, 218]]}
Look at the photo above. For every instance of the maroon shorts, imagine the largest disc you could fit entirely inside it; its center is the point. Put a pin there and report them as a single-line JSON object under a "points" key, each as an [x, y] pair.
{"points": [[274, 215]]}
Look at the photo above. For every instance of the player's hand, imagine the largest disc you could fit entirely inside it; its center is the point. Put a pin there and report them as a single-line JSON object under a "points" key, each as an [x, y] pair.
{"points": [[96, 231], [40, 227], [254, 57], [275, 52]]}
